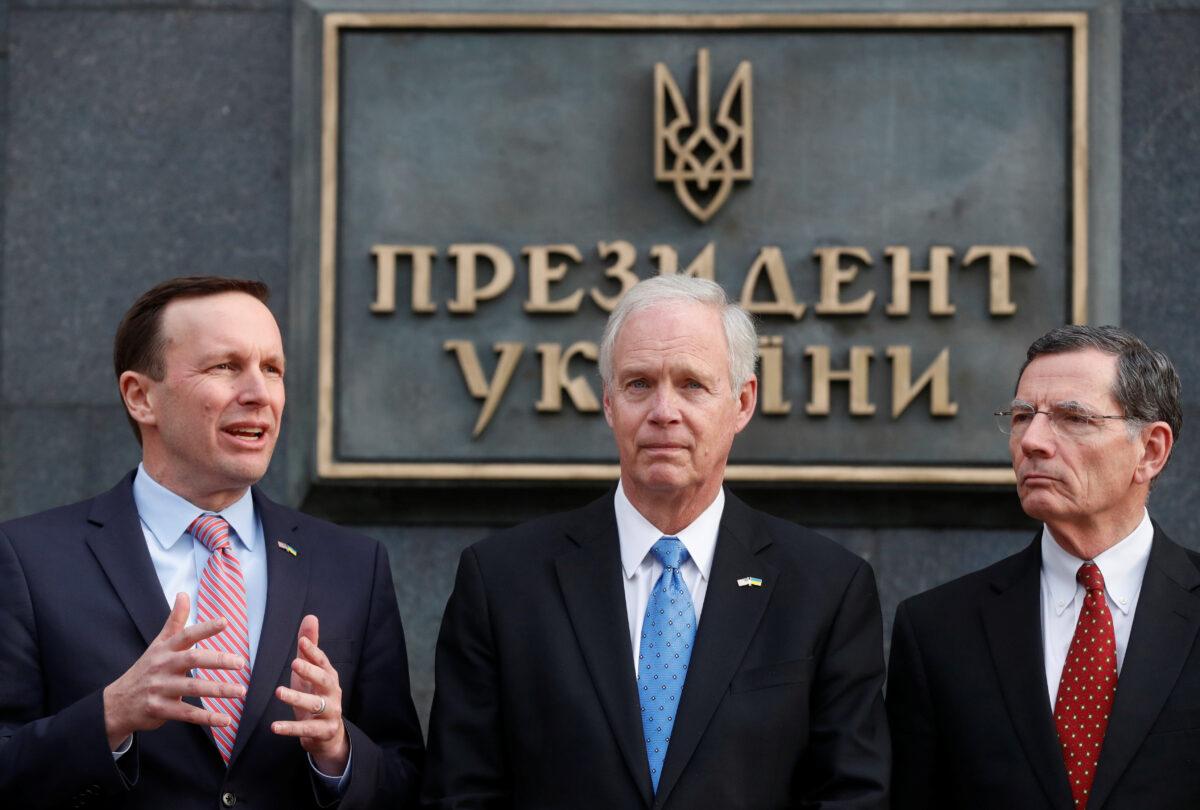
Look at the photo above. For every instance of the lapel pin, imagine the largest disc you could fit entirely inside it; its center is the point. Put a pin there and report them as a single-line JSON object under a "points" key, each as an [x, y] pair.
{"points": [[753, 582], [287, 548]]}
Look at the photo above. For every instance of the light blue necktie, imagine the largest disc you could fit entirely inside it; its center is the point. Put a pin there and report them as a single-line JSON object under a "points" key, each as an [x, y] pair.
{"points": [[668, 631]]}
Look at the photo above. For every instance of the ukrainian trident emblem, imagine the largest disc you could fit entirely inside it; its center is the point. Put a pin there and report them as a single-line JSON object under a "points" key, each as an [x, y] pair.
{"points": [[706, 157]]}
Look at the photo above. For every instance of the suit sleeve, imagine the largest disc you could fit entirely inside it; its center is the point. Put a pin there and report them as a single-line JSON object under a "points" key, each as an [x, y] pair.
{"points": [[911, 718], [467, 768], [385, 735], [849, 757], [46, 760]]}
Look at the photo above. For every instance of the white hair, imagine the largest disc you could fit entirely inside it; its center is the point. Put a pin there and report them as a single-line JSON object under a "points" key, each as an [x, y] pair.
{"points": [[741, 340]]}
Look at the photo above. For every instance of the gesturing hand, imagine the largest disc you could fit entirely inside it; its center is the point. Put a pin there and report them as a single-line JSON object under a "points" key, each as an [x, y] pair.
{"points": [[151, 691], [316, 700]]}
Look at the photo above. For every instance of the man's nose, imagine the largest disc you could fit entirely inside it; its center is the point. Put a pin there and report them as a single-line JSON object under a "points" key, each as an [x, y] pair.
{"points": [[666, 406], [1039, 436], [253, 386]]}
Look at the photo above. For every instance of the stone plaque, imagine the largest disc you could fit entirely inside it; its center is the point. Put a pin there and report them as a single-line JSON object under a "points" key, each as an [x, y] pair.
{"points": [[901, 199]]}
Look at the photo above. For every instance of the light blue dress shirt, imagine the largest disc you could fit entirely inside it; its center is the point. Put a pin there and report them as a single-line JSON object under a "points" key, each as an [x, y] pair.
{"points": [[179, 558]]}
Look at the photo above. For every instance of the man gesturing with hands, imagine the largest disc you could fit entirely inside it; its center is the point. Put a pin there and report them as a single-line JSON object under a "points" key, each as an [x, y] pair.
{"points": [[160, 643]]}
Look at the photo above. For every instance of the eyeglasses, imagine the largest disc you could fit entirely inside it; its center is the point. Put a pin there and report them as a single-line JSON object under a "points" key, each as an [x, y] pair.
{"points": [[1068, 422]]}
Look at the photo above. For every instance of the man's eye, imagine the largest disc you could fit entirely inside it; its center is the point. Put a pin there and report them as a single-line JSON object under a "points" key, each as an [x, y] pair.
{"points": [[1021, 417], [637, 384], [1076, 417]]}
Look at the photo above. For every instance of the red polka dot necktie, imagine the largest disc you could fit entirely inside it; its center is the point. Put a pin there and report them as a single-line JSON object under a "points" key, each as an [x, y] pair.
{"points": [[222, 594], [1087, 686]]}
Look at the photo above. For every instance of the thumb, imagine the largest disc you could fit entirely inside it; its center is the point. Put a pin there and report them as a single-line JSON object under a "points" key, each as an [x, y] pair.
{"points": [[179, 616], [309, 629]]}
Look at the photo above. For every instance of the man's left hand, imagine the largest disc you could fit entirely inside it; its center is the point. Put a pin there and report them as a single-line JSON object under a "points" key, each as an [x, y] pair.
{"points": [[316, 698]]}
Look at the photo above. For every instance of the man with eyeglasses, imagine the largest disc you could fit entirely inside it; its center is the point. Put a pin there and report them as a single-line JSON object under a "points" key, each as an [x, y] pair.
{"points": [[1068, 675]]}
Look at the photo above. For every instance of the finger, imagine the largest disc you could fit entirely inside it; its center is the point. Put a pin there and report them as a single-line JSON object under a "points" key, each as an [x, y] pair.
{"points": [[311, 673], [203, 687], [304, 701], [314, 654], [197, 658], [178, 618], [197, 632], [316, 729], [187, 713]]}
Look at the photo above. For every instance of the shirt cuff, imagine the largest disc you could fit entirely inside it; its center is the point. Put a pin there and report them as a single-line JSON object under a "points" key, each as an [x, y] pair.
{"points": [[124, 747], [332, 787]]}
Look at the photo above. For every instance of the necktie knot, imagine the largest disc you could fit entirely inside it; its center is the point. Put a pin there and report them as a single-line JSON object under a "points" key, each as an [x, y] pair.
{"points": [[211, 530], [1089, 577], [670, 551]]}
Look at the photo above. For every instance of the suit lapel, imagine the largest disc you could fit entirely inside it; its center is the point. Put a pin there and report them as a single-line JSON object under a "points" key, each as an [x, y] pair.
{"points": [[287, 589], [590, 577], [1164, 630], [1012, 623], [119, 545], [727, 624]]}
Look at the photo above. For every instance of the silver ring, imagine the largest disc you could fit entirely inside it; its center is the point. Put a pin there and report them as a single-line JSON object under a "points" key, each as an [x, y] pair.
{"points": [[320, 709]]}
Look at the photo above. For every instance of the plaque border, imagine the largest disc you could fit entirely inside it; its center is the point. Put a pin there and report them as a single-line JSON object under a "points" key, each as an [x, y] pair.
{"points": [[334, 23]]}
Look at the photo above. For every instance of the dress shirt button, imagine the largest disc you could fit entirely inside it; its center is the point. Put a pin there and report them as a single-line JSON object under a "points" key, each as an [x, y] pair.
{"points": [[1124, 601], [228, 799]]}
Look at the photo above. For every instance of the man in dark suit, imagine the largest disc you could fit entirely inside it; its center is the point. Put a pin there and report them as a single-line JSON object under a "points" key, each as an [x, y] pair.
{"points": [[1068, 675], [287, 683], [666, 646]]}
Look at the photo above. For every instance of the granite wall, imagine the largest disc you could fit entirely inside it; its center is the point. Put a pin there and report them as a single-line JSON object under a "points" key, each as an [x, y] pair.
{"points": [[149, 138]]}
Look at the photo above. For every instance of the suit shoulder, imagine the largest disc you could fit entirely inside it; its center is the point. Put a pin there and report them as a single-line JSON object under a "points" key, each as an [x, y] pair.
{"points": [[54, 521], [808, 548], [967, 589], [534, 537], [331, 536]]}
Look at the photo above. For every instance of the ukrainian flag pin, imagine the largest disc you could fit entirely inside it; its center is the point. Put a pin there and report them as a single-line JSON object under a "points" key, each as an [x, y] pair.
{"points": [[287, 548], [753, 582]]}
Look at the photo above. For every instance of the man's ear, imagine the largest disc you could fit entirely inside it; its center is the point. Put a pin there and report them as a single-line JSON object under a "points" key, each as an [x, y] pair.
{"points": [[1157, 441], [136, 393], [607, 405], [747, 400]]}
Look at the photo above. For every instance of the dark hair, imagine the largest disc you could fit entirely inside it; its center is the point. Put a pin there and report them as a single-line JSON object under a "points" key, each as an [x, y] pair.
{"points": [[138, 345], [1147, 386]]}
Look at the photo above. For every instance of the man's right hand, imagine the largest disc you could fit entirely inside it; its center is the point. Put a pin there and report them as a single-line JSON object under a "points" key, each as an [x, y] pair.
{"points": [[150, 692]]}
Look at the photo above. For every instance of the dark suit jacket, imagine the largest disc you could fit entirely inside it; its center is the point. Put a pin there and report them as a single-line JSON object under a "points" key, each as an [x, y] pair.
{"points": [[79, 602], [970, 714], [536, 703]]}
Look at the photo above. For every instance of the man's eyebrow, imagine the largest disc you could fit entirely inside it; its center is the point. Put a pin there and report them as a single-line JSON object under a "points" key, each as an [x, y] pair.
{"points": [[1073, 405]]}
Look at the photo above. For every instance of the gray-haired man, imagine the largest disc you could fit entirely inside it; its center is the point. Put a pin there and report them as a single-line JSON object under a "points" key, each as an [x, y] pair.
{"points": [[1068, 675], [666, 646]]}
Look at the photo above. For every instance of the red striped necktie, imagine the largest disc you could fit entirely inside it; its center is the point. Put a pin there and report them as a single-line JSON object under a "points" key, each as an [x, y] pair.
{"points": [[222, 594]]}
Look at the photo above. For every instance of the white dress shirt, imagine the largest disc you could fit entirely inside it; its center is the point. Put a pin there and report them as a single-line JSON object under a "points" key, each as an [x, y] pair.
{"points": [[642, 569], [1122, 566]]}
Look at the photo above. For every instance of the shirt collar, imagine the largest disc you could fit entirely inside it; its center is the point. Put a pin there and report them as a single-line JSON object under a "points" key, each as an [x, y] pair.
{"points": [[637, 535], [167, 515], [1123, 566]]}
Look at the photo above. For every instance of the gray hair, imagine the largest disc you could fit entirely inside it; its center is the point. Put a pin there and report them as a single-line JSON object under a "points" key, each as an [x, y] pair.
{"points": [[741, 340], [1147, 386]]}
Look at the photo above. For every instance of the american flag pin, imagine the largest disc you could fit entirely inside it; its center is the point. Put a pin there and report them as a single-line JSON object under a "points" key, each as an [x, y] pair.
{"points": [[287, 548], [753, 582]]}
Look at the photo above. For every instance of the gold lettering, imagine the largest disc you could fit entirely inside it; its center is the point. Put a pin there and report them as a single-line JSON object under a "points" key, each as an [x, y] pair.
{"points": [[621, 270], [490, 392], [385, 277], [666, 258], [936, 377], [770, 349], [834, 276], [556, 377], [999, 264], [857, 376], [770, 258], [542, 274], [938, 277], [465, 258]]}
